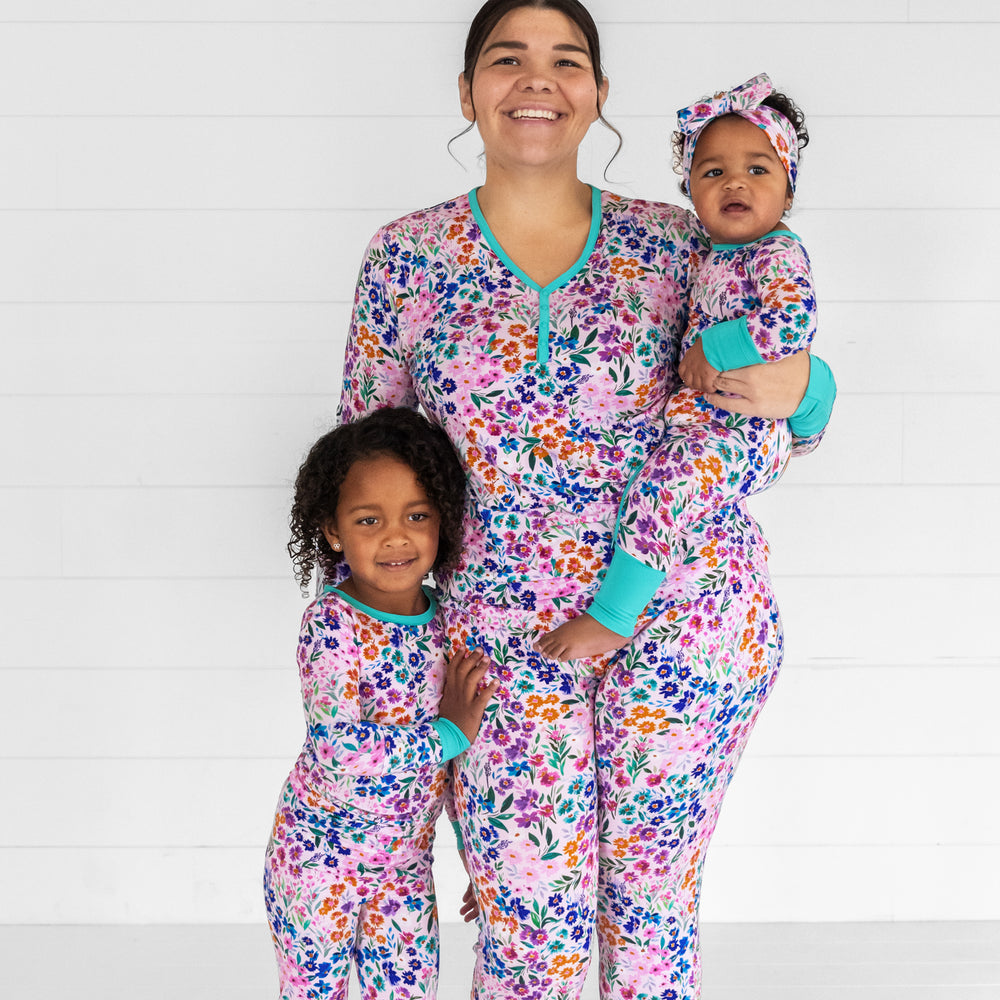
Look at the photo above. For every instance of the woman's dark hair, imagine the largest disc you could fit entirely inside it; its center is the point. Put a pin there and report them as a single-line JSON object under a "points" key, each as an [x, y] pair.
{"points": [[781, 103], [494, 11], [401, 433]]}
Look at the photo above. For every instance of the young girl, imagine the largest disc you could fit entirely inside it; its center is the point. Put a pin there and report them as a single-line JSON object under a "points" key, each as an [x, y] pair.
{"points": [[348, 867], [751, 302]]}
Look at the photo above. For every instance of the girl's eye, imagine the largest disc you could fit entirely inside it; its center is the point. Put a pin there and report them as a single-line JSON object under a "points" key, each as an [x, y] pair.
{"points": [[419, 517], [758, 171], [506, 61], [567, 62], [714, 172], [368, 521]]}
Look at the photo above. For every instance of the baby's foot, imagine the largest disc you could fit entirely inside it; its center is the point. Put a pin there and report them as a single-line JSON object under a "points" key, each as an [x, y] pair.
{"points": [[579, 637]]}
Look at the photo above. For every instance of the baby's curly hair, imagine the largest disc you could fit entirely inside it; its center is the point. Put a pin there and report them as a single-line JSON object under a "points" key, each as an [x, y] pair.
{"points": [[400, 432], [781, 103]]}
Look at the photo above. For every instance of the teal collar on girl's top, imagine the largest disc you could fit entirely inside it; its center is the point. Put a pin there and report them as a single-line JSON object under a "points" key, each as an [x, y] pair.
{"points": [[542, 354], [773, 232], [384, 616]]}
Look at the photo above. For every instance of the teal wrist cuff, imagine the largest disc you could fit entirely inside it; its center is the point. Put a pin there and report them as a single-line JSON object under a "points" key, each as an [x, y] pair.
{"points": [[453, 741], [458, 834], [627, 588], [814, 411], [729, 345]]}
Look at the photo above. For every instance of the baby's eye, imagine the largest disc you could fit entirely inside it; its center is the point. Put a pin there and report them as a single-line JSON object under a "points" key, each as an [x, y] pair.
{"points": [[714, 172], [758, 171]]}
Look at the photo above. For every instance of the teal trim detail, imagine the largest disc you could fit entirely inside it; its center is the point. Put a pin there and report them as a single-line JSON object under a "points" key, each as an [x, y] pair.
{"points": [[728, 344], [458, 834], [813, 413], [384, 616], [542, 354], [627, 588], [773, 232], [453, 741]]}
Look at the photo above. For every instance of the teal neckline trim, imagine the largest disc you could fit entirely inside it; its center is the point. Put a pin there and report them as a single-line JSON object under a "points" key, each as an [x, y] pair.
{"points": [[542, 353], [773, 232], [384, 616]]}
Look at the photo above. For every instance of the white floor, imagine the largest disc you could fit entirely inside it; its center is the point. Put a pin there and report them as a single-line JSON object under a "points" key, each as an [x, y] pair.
{"points": [[936, 961]]}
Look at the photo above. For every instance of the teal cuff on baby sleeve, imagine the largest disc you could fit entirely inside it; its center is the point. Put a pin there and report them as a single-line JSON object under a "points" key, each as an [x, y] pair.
{"points": [[453, 740], [458, 834], [628, 587], [814, 411], [729, 345]]}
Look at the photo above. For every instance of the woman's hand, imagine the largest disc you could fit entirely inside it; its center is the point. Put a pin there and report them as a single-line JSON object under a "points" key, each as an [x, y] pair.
{"points": [[773, 390]]}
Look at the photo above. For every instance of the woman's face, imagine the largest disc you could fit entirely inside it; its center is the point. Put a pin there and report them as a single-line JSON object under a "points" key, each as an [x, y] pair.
{"points": [[533, 92]]}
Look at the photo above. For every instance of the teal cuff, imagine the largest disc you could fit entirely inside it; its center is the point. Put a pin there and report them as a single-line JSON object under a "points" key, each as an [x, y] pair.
{"points": [[814, 411], [729, 345], [453, 741], [458, 834], [627, 588]]}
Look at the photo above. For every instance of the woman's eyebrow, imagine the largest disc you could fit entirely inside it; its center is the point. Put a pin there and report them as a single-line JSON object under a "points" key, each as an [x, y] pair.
{"points": [[561, 47]]}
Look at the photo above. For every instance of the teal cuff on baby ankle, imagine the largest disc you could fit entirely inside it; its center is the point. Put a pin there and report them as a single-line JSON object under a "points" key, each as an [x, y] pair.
{"points": [[453, 741], [627, 588]]}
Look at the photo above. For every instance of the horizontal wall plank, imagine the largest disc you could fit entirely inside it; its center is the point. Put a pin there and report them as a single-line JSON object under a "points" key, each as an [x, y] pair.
{"points": [[162, 440], [314, 256], [189, 533], [890, 530], [277, 69], [818, 802], [446, 10], [890, 620], [130, 624], [851, 883], [265, 348], [174, 349], [746, 884], [339, 162], [814, 711]]}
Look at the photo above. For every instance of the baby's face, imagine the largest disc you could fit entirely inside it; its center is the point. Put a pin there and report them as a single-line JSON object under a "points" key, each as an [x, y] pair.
{"points": [[738, 185]]}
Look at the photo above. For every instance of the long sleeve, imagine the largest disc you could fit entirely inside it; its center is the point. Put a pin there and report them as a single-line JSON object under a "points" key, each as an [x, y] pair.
{"points": [[376, 373]]}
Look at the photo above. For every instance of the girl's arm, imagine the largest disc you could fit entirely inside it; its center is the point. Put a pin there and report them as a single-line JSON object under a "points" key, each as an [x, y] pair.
{"points": [[375, 371], [330, 660]]}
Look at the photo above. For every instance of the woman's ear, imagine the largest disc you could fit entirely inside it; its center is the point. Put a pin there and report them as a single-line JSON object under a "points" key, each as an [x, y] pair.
{"points": [[465, 97]]}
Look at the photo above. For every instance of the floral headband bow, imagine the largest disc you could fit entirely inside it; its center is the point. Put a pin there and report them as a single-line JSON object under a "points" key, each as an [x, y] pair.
{"points": [[745, 101]]}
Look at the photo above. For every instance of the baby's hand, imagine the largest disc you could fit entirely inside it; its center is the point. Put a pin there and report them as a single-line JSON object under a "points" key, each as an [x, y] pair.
{"points": [[695, 371], [467, 691]]}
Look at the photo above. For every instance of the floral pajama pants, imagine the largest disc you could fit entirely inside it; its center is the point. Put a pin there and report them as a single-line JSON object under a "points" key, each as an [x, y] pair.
{"points": [[589, 797], [371, 909]]}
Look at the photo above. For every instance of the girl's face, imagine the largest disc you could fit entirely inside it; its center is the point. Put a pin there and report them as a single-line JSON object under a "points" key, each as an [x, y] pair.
{"points": [[388, 532], [533, 92], [738, 185]]}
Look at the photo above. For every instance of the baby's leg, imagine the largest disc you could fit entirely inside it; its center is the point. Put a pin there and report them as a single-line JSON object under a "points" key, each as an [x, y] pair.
{"points": [[708, 458]]}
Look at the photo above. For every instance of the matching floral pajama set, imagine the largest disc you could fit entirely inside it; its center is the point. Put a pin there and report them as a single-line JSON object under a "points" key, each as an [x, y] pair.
{"points": [[590, 795], [347, 877]]}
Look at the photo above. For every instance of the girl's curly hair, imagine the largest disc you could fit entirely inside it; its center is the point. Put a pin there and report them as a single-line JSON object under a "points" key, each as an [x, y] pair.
{"points": [[781, 103], [400, 432]]}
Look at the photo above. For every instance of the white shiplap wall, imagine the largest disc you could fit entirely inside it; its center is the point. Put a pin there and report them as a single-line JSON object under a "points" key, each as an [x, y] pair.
{"points": [[186, 187]]}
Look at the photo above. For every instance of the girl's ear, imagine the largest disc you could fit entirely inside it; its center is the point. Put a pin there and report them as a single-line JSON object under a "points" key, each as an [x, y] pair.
{"points": [[465, 97], [602, 96], [330, 534]]}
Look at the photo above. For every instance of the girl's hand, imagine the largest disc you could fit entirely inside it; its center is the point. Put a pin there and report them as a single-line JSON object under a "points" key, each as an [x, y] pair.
{"points": [[696, 372], [467, 691], [773, 390]]}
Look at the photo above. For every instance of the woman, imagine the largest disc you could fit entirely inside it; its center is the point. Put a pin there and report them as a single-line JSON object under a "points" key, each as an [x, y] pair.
{"points": [[538, 321]]}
